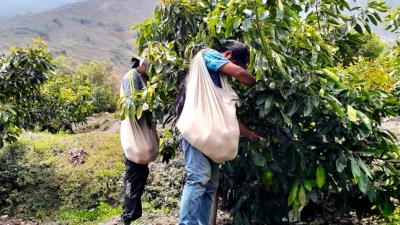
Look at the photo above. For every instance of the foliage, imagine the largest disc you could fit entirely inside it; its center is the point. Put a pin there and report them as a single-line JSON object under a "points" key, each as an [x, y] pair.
{"points": [[57, 21], [165, 184], [373, 47], [104, 83], [22, 73], [393, 20], [321, 135], [39, 176], [72, 94], [67, 101], [378, 74], [29, 187], [78, 217]]}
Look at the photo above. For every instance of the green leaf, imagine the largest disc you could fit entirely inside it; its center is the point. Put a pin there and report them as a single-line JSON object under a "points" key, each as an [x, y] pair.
{"points": [[139, 111], [261, 98], [337, 107], [264, 15], [393, 170], [378, 103], [386, 209], [268, 102], [363, 183], [308, 107], [359, 29], [339, 165], [365, 119], [313, 195], [258, 160], [368, 28], [332, 76], [247, 24], [293, 109], [302, 195], [321, 176], [159, 66], [373, 20], [366, 168], [293, 194], [355, 169], [351, 113], [307, 184], [287, 120]]}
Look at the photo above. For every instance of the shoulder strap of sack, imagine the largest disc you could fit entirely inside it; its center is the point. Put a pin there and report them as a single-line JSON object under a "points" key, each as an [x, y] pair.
{"points": [[132, 83], [181, 96]]}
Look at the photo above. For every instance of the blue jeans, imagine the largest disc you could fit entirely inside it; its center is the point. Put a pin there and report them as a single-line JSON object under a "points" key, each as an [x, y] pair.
{"points": [[201, 183]]}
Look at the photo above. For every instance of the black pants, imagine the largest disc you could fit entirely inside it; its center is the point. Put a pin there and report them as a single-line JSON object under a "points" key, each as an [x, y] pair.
{"points": [[134, 183]]}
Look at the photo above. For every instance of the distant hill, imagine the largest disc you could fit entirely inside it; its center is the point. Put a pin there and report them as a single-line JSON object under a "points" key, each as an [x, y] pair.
{"points": [[86, 30], [92, 29]]}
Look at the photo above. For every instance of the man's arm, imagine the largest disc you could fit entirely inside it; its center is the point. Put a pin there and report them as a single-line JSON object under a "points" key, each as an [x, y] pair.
{"points": [[247, 133], [242, 75]]}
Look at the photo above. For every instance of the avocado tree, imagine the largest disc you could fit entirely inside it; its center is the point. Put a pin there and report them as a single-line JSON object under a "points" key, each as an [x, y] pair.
{"points": [[73, 94], [22, 73], [321, 135]]}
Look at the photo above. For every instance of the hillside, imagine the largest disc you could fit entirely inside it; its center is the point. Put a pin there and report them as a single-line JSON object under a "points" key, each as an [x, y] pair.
{"points": [[86, 30], [92, 29], [12, 8]]}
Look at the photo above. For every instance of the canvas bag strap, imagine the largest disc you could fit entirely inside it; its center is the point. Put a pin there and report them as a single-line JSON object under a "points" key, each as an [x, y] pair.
{"points": [[132, 83]]}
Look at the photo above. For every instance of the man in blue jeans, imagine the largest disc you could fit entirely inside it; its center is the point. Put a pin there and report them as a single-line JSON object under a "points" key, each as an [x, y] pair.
{"points": [[202, 173]]}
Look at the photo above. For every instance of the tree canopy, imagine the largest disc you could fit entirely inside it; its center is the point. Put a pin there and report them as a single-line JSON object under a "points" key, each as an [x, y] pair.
{"points": [[321, 133], [22, 73]]}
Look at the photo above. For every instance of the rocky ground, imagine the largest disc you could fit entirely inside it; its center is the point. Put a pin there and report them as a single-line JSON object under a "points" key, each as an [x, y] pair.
{"points": [[223, 218]]}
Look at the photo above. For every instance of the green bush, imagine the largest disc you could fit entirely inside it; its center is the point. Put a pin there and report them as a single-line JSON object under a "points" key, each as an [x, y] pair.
{"points": [[104, 100], [165, 184], [46, 173], [73, 94], [28, 183], [66, 101], [57, 21], [104, 83], [22, 74]]}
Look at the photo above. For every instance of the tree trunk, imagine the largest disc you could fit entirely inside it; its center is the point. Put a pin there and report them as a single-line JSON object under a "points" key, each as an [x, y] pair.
{"points": [[214, 207]]}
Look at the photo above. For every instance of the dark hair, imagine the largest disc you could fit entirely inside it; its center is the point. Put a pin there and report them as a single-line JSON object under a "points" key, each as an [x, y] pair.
{"points": [[135, 62], [240, 52]]}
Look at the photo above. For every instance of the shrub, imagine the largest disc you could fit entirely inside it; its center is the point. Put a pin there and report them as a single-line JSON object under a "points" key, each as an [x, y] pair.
{"points": [[118, 27], [83, 20], [22, 74], [57, 21], [39, 175], [28, 183]]}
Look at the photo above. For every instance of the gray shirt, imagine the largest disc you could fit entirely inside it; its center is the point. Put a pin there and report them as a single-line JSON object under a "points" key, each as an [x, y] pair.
{"points": [[137, 82]]}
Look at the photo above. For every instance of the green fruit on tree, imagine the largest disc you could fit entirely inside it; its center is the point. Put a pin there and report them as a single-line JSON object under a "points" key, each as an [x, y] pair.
{"points": [[267, 177], [252, 207]]}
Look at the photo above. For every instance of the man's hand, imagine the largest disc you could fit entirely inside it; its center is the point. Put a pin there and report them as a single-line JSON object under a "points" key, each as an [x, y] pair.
{"points": [[254, 137], [249, 134]]}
